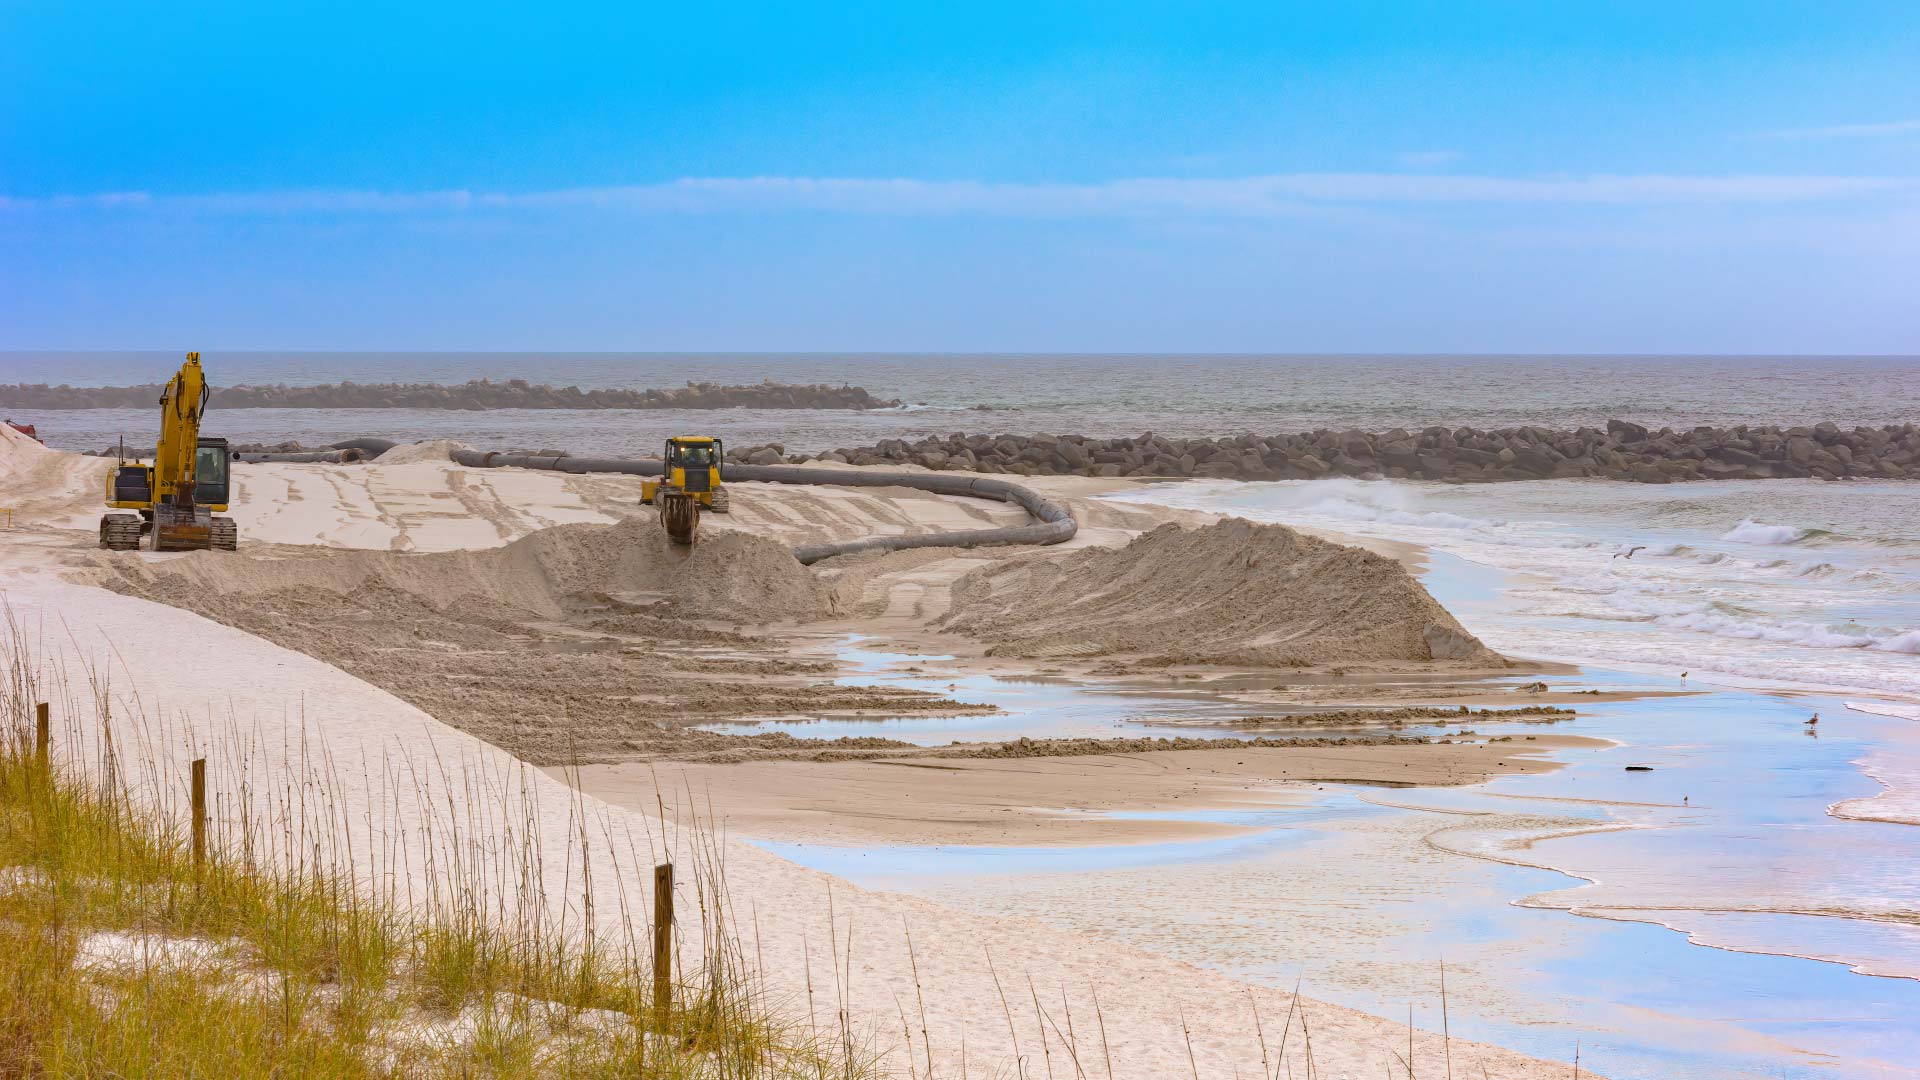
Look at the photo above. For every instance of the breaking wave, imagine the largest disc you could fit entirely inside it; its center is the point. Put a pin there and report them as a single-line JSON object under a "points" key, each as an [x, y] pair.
{"points": [[1729, 621], [1374, 501], [1753, 532], [1791, 602]]}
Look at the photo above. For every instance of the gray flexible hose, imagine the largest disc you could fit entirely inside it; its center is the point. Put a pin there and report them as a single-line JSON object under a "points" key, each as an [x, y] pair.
{"points": [[1053, 526]]}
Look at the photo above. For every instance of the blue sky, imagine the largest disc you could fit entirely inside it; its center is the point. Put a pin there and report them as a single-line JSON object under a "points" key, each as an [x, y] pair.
{"points": [[1364, 177]]}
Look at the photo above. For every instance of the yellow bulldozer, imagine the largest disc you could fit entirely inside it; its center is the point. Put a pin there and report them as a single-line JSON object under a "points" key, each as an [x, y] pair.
{"points": [[692, 464], [179, 497], [689, 480]]}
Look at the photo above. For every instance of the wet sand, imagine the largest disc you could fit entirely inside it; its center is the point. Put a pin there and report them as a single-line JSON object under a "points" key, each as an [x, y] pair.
{"points": [[1038, 800]]}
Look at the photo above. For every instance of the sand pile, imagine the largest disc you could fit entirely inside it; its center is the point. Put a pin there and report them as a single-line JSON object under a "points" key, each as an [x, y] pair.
{"points": [[1234, 593], [579, 642], [728, 575], [413, 453], [19, 455]]}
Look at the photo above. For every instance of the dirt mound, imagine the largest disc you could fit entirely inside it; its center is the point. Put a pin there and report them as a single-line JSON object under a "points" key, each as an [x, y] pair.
{"points": [[728, 575], [1234, 593]]}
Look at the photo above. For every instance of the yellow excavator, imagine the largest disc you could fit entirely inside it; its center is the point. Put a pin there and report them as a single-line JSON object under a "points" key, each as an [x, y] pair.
{"points": [[689, 479], [177, 498]]}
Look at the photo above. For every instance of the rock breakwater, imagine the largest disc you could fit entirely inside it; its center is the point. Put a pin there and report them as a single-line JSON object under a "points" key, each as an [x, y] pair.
{"points": [[479, 394], [1622, 451]]}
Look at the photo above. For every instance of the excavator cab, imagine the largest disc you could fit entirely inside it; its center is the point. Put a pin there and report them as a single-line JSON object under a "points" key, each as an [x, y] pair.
{"points": [[691, 463], [212, 473]]}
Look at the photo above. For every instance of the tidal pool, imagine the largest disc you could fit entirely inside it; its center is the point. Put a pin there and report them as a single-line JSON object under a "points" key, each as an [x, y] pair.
{"points": [[1703, 918]]}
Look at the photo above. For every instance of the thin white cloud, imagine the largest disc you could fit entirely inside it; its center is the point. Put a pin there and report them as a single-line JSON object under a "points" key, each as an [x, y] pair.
{"points": [[1281, 195], [1845, 131]]}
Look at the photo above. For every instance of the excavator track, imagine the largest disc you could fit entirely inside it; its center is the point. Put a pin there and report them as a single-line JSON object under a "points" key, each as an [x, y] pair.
{"points": [[720, 500], [120, 532], [225, 533]]}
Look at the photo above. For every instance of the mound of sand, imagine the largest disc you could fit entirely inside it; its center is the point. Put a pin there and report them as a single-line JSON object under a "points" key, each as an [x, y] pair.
{"points": [[578, 642], [19, 455], [727, 575], [413, 453], [1235, 593]]}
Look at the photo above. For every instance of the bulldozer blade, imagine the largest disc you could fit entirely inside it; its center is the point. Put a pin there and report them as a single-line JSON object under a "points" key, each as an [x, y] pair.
{"points": [[679, 514]]}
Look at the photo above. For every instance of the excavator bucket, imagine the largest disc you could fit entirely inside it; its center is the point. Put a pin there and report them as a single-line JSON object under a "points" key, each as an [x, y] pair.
{"points": [[182, 528], [679, 514]]}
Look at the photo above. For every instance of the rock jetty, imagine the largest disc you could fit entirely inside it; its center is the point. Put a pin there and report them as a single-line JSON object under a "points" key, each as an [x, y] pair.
{"points": [[479, 394], [1623, 451]]}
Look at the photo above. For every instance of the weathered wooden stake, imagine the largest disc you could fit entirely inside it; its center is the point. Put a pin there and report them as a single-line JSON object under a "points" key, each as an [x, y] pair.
{"points": [[199, 812], [42, 735], [663, 941]]}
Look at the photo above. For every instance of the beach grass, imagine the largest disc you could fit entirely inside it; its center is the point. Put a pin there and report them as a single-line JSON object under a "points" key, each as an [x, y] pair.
{"points": [[121, 954]]}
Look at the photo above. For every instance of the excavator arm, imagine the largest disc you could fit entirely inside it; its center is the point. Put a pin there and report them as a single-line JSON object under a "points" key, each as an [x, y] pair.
{"points": [[181, 407]]}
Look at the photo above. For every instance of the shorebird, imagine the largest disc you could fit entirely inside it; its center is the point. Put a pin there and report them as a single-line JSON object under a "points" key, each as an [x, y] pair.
{"points": [[1814, 719], [1628, 554]]}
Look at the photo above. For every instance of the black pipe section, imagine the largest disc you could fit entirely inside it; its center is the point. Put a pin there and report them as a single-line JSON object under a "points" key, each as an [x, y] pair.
{"points": [[371, 448], [337, 457], [1054, 524]]}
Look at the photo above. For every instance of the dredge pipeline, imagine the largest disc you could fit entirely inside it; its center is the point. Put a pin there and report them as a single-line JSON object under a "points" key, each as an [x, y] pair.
{"points": [[1053, 523]]}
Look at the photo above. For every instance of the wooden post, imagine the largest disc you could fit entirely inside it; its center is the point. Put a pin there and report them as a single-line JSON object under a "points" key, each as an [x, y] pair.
{"points": [[663, 941], [199, 812], [42, 735]]}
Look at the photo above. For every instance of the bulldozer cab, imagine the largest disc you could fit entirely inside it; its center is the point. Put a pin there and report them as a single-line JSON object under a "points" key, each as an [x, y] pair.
{"points": [[693, 463]]}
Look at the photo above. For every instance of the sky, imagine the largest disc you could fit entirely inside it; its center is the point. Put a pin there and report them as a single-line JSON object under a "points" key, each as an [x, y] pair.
{"points": [[1725, 177]]}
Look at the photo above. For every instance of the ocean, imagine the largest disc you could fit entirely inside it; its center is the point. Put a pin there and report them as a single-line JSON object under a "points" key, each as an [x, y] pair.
{"points": [[1078, 394]]}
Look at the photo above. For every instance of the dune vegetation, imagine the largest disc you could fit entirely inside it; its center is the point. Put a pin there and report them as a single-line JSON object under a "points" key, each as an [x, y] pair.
{"points": [[122, 954]]}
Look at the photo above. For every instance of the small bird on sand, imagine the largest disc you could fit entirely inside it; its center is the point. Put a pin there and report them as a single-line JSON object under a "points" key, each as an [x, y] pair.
{"points": [[1628, 554], [1683, 675], [1814, 719]]}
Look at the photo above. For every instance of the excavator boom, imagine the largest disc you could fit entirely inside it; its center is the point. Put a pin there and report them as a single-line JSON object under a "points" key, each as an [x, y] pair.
{"points": [[179, 523], [182, 404]]}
